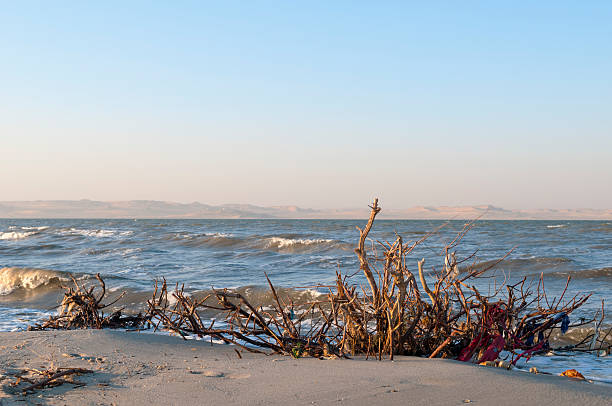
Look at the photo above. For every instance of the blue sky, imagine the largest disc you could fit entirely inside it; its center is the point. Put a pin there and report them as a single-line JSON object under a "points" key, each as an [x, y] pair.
{"points": [[320, 104]]}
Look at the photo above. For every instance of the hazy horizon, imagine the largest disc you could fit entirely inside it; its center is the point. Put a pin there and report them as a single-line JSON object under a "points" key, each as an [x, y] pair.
{"points": [[321, 105], [152, 209], [237, 203]]}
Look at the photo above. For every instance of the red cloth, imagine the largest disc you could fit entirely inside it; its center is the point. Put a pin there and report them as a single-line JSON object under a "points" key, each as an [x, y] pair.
{"points": [[494, 349]]}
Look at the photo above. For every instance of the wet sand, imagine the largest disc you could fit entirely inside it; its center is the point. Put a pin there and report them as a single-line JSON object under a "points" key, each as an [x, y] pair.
{"points": [[144, 369]]}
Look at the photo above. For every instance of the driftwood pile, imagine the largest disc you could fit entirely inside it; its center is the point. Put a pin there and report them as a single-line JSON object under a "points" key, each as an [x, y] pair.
{"points": [[82, 307], [276, 328], [400, 311], [447, 316]]}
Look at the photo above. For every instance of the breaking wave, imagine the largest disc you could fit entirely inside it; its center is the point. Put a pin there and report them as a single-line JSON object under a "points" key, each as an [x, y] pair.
{"points": [[16, 235], [12, 279], [96, 233], [43, 287], [556, 226], [19, 233], [281, 243], [274, 243]]}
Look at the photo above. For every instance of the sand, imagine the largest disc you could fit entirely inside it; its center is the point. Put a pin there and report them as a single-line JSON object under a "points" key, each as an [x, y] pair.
{"points": [[146, 369]]}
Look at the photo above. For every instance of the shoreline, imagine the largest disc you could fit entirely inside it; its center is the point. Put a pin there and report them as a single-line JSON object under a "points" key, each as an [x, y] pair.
{"points": [[142, 368]]}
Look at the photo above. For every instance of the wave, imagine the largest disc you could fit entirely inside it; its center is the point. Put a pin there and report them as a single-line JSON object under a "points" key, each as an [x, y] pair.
{"points": [[42, 289], [599, 273], [601, 247], [220, 240], [13, 278], [47, 249], [124, 252], [262, 296], [19, 233], [556, 226], [528, 265], [280, 243], [576, 335], [16, 235], [96, 233], [289, 243]]}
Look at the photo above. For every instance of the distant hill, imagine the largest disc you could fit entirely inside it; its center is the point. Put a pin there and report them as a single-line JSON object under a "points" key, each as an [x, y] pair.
{"points": [[159, 209]]}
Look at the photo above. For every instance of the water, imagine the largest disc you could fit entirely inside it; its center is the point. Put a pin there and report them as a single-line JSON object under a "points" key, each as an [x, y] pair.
{"points": [[36, 256]]}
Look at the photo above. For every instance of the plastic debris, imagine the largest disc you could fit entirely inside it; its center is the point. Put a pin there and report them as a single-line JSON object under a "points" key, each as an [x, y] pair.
{"points": [[572, 373]]}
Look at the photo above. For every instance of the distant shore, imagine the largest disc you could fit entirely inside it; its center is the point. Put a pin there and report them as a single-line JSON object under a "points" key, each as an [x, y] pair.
{"points": [[152, 209], [140, 368]]}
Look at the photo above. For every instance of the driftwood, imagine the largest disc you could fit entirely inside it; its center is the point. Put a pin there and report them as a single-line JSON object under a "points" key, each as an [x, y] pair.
{"points": [[395, 314], [275, 329], [48, 378], [448, 316], [82, 307]]}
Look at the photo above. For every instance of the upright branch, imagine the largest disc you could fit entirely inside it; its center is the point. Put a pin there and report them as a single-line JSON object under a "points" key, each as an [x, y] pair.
{"points": [[424, 283], [361, 252]]}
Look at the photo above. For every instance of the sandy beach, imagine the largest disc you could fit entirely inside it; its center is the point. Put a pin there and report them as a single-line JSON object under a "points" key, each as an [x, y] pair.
{"points": [[140, 368]]}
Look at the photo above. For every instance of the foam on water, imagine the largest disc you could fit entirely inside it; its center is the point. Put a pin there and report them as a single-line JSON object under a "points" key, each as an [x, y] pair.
{"points": [[279, 242], [16, 235], [20, 233], [100, 233], [590, 365], [19, 319]]}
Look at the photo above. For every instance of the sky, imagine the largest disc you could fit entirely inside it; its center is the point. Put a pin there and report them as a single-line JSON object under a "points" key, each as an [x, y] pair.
{"points": [[317, 104]]}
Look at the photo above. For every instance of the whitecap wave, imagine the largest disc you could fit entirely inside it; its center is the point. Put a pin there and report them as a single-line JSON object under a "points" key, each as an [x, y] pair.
{"points": [[187, 236], [13, 278], [280, 242], [19, 233], [219, 235], [101, 233], [556, 226], [16, 235]]}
